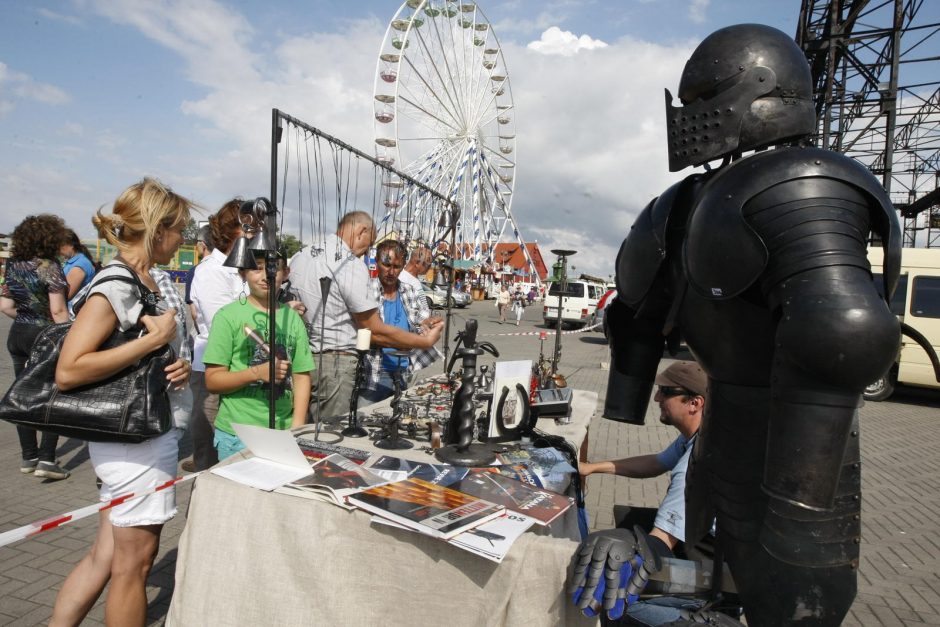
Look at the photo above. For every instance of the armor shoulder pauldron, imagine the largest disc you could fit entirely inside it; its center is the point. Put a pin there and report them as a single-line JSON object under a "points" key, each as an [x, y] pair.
{"points": [[723, 254], [644, 249]]}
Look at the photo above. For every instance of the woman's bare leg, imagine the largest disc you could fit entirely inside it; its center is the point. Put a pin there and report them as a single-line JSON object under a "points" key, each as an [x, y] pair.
{"points": [[134, 551], [84, 584]]}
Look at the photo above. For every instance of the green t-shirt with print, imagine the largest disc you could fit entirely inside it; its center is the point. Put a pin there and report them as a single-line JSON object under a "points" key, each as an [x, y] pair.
{"points": [[230, 346]]}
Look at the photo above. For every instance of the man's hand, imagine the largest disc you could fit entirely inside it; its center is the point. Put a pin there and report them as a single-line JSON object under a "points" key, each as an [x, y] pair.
{"points": [[611, 569], [433, 334], [432, 322]]}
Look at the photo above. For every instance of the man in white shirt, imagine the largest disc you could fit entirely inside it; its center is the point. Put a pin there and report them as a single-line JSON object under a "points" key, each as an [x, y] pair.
{"points": [[350, 305], [419, 262], [214, 285]]}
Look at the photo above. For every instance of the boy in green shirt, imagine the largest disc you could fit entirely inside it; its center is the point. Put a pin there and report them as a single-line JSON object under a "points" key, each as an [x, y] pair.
{"points": [[237, 367]]}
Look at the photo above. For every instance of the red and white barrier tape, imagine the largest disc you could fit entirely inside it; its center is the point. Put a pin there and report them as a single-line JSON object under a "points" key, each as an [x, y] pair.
{"points": [[548, 333], [27, 531]]}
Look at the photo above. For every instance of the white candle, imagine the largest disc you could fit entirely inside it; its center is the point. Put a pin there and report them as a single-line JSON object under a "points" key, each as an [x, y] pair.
{"points": [[363, 339]]}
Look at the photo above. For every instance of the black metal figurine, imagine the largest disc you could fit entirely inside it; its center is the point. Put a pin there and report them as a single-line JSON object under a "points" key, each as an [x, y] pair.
{"points": [[460, 450], [760, 266]]}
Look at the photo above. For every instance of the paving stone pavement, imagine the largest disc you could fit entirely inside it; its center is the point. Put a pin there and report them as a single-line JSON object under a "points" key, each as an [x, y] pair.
{"points": [[899, 576]]}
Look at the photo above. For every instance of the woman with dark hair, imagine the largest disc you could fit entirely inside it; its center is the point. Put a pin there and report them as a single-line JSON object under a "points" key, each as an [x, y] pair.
{"points": [[78, 267], [34, 295], [214, 285], [146, 226]]}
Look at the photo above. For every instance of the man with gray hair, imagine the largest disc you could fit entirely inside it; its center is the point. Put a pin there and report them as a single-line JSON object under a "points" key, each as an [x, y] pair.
{"points": [[419, 262], [350, 305]]}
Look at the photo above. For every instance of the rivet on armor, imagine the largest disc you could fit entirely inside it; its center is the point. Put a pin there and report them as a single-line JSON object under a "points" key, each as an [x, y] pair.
{"points": [[705, 125], [856, 497], [685, 153], [853, 564], [856, 517], [817, 162], [728, 196], [740, 68], [695, 151], [704, 138], [857, 540], [761, 79], [717, 124], [684, 119], [855, 434], [729, 110], [856, 466], [716, 112], [715, 61]]}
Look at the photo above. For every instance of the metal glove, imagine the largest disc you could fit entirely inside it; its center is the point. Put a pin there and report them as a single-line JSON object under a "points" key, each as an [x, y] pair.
{"points": [[611, 569]]}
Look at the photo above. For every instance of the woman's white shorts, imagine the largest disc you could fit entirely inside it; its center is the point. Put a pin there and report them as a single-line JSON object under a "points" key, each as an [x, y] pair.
{"points": [[135, 468]]}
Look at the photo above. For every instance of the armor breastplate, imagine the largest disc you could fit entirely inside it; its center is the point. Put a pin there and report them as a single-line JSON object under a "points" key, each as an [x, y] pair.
{"points": [[723, 253]]}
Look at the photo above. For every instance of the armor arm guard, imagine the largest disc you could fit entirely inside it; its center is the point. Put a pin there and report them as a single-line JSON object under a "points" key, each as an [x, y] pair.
{"points": [[834, 332], [636, 346]]}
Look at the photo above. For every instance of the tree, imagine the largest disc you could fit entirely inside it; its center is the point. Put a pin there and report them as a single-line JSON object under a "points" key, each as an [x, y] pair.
{"points": [[290, 244], [191, 232]]}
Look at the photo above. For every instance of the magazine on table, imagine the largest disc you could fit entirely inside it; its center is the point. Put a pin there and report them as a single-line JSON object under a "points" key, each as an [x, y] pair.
{"points": [[425, 507], [491, 540], [542, 506], [548, 463], [332, 479], [396, 469]]}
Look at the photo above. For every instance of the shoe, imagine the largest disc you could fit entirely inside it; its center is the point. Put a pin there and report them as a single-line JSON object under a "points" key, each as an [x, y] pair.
{"points": [[188, 465], [27, 466], [51, 470]]}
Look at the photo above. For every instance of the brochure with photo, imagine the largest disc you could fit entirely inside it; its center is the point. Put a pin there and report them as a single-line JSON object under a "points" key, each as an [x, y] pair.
{"points": [[332, 479], [491, 540], [439, 474], [507, 375], [550, 464], [540, 505], [425, 507]]}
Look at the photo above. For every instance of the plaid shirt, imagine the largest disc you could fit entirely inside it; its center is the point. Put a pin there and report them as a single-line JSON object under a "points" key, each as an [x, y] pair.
{"points": [[416, 308], [171, 295]]}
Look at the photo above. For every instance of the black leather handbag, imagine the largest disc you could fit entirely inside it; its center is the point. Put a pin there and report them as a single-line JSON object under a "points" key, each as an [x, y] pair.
{"points": [[130, 406]]}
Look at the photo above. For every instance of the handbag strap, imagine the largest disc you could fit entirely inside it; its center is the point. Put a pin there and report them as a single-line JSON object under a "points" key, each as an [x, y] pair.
{"points": [[147, 297]]}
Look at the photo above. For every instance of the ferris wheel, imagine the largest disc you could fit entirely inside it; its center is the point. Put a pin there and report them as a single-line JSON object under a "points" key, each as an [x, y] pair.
{"points": [[444, 114]]}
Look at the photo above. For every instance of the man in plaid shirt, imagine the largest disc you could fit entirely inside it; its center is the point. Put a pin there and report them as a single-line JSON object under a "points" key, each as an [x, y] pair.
{"points": [[402, 306]]}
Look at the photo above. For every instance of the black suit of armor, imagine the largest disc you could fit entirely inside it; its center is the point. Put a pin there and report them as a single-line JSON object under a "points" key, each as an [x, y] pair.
{"points": [[760, 266]]}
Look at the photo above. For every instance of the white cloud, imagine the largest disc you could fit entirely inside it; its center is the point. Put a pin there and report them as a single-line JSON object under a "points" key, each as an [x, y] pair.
{"points": [[697, 10], [16, 86], [590, 127], [60, 17], [565, 43]]}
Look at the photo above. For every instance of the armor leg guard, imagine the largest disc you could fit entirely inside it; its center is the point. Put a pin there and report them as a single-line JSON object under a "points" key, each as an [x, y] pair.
{"points": [[789, 564], [835, 335], [636, 347]]}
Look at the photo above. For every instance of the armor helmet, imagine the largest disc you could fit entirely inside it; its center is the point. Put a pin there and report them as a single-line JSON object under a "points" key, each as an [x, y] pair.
{"points": [[745, 87]]}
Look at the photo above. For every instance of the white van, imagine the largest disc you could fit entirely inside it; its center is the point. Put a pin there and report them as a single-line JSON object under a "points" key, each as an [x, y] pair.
{"points": [[916, 302], [580, 303]]}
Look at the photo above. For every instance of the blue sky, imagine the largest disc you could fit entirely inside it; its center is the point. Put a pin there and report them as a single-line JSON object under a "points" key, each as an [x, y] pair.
{"points": [[95, 94]]}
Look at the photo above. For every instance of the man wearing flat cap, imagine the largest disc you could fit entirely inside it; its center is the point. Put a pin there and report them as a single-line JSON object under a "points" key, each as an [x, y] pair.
{"points": [[681, 395]]}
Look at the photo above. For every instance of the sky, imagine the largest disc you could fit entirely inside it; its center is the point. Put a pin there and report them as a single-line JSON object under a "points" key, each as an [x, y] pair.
{"points": [[95, 94]]}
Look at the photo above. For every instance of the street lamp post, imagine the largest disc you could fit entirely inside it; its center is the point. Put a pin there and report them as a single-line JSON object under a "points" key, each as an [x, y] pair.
{"points": [[562, 292]]}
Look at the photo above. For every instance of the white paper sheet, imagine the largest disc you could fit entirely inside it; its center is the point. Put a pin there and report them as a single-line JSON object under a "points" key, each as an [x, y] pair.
{"points": [[277, 459]]}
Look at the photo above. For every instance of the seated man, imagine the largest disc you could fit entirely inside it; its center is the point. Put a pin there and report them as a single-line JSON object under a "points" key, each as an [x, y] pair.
{"points": [[681, 395]]}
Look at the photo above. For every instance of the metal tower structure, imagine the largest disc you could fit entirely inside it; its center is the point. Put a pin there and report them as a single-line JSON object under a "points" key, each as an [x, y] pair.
{"points": [[876, 71]]}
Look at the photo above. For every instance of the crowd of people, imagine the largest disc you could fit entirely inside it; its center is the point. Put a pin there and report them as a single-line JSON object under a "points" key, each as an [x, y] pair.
{"points": [[221, 377]]}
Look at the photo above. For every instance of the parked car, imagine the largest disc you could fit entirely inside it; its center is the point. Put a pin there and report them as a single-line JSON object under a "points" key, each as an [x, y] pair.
{"points": [[916, 302], [436, 296], [605, 300], [580, 303]]}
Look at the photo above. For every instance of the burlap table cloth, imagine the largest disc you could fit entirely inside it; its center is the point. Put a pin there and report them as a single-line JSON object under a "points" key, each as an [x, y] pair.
{"points": [[248, 557]]}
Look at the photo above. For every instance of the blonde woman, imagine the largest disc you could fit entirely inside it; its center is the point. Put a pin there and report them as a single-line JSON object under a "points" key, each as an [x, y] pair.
{"points": [[146, 226]]}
